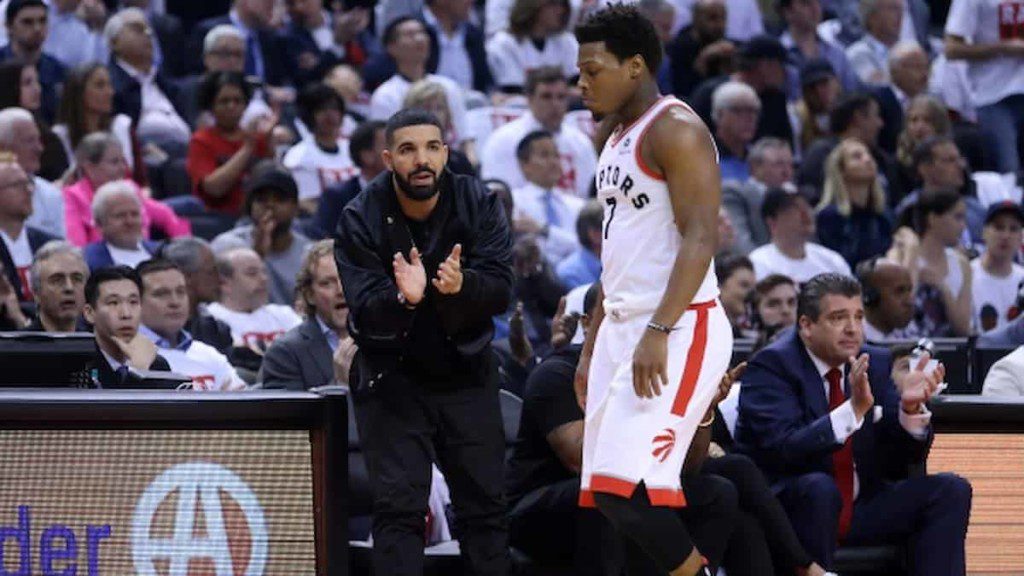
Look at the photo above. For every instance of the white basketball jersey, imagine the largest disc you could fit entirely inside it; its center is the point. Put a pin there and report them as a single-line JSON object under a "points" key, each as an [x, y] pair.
{"points": [[640, 239]]}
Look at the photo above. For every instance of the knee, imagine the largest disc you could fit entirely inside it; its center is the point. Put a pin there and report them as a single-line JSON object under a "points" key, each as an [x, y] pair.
{"points": [[819, 490], [724, 495], [953, 491]]}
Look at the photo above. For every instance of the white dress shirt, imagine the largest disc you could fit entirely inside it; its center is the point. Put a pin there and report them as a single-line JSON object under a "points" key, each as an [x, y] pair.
{"points": [[452, 59], [561, 240], [157, 119], [72, 42]]}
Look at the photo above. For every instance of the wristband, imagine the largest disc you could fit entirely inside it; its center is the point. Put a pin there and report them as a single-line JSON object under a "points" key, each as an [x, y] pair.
{"points": [[657, 327]]}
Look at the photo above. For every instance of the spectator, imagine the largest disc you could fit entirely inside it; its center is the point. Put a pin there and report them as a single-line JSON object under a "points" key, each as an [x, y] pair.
{"points": [[27, 28], [584, 265], [315, 40], [800, 424], [908, 67], [20, 240], [760, 64], [983, 34], [165, 308], [100, 161], [263, 55], [744, 18], [662, 15], [819, 93], [536, 37], [406, 41], [302, 358], [852, 216], [735, 108], [87, 106], [117, 214], [926, 117], [773, 303], [58, 277], [701, 50], [995, 276], [141, 90], [537, 289], [541, 207], [888, 300], [365, 148], [220, 156], [943, 281], [321, 159], [347, 82], [915, 25], [76, 32], [548, 97], [803, 42], [790, 252], [1010, 335], [168, 36], [869, 56], [1004, 378], [20, 88], [771, 167], [243, 302], [113, 308], [431, 97], [19, 135], [271, 203], [194, 257], [735, 283], [456, 44]]}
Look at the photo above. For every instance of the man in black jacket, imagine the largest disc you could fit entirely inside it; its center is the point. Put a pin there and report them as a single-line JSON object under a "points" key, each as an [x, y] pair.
{"points": [[425, 257]]}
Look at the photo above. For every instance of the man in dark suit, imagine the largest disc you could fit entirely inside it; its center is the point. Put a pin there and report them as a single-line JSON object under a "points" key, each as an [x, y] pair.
{"points": [[836, 438], [302, 358], [365, 149], [117, 210], [263, 55], [317, 40], [465, 63], [113, 307]]}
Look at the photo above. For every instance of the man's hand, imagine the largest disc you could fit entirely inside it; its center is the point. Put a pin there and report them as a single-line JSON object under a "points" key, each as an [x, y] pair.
{"points": [[563, 326], [259, 129], [579, 383], [140, 351], [410, 276], [919, 386], [725, 384], [449, 273], [518, 343], [650, 361], [860, 387], [263, 231], [342, 360]]}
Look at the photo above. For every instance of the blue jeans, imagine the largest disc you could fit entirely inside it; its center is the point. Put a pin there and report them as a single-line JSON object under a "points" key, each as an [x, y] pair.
{"points": [[1000, 125]]}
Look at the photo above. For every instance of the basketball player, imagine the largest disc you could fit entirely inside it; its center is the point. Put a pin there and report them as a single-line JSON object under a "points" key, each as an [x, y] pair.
{"points": [[664, 341]]}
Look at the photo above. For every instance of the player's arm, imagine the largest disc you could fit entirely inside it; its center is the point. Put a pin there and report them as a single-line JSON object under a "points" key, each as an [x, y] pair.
{"points": [[680, 148]]}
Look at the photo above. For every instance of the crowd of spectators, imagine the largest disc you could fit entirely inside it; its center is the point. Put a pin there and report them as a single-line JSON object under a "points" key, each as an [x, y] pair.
{"points": [[172, 174]]}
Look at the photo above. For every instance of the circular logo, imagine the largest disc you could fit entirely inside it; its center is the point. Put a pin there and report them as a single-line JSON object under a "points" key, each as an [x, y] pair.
{"points": [[199, 517]]}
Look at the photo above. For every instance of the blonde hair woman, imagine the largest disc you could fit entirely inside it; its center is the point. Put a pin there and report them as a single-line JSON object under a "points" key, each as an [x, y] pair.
{"points": [[430, 96], [852, 216]]}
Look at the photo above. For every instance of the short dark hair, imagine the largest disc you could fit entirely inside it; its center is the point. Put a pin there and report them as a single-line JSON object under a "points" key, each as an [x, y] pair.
{"points": [[591, 217], [362, 140], [212, 84], [776, 200], [152, 266], [848, 106], [392, 28], [924, 152], [625, 33], [16, 6], [525, 146], [109, 274], [315, 97], [728, 264], [808, 300], [935, 202], [542, 75], [410, 117], [769, 283]]}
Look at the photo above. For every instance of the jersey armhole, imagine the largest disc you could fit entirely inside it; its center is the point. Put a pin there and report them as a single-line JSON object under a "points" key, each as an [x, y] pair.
{"points": [[638, 152]]}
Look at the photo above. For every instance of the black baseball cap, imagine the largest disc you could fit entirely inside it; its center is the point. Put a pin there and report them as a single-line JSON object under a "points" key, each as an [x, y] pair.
{"points": [[763, 47], [15, 6], [1004, 207], [269, 175], [777, 199], [815, 70]]}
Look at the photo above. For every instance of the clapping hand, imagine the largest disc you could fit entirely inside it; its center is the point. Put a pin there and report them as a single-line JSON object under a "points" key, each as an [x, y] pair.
{"points": [[861, 396], [449, 273], [410, 277], [919, 386]]}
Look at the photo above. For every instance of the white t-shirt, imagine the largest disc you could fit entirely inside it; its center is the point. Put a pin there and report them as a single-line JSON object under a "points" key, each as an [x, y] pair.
{"points": [[256, 329], [511, 59], [990, 22], [21, 255], [131, 258], [389, 96], [817, 259], [579, 160], [989, 290], [314, 169], [208, 368]]}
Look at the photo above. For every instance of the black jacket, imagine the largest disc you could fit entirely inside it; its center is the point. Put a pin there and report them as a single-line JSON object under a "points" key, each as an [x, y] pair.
{"points": [[103, 375], [445, 341], [128, 91]]}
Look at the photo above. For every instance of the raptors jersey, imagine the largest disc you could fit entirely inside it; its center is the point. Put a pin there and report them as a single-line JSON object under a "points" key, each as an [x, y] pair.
{"points": [[640, 236]]}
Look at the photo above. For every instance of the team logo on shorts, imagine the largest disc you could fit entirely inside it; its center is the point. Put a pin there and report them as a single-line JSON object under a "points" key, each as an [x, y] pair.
{"points": [[663, 444]]}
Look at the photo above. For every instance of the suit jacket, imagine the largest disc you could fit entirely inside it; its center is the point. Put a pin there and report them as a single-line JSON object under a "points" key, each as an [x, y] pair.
{"points": [[1006, 377], [128, 92], [474, 42], [105, 377], [784, 421], [328, 211], [742, 201], [296, 40], [275, 73], [97, 255], [300, 359], [36, 238]]}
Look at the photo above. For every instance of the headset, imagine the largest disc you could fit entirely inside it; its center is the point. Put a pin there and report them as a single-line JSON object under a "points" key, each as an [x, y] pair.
{"points": [[869, 293]]}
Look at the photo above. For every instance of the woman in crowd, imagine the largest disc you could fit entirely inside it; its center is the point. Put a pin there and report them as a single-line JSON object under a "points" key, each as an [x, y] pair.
{"points": [[100, 159], [86, 106], [19, 86], [430, 96], [321, 159], [220, 156], [852, 217], [536, 37], [926, 117]]}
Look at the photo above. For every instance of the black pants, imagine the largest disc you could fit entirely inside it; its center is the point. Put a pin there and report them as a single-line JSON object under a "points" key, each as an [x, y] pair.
{"points": [[403, 429]]}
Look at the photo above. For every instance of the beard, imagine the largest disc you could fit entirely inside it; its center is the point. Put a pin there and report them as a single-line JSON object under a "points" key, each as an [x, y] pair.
{"points": [[418, 192]]}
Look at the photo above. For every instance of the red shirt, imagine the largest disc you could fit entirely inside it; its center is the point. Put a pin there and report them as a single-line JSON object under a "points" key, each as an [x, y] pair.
{"points": [[209, 150]]}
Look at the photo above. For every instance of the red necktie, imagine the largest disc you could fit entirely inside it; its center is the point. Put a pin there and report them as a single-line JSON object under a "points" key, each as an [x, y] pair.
{"points": [[842, 459]]}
